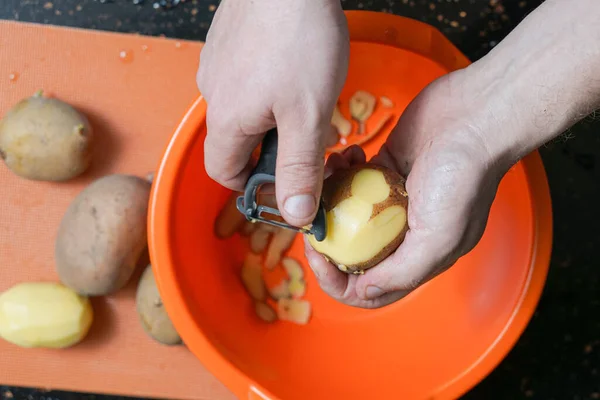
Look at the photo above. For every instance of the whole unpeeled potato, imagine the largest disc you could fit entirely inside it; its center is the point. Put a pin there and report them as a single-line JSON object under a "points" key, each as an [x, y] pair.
{"points": [[45, 139], [103, 234], [152, 313]]}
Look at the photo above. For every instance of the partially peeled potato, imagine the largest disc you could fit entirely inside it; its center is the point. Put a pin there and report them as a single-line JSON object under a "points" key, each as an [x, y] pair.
{"points": [[366, 211]]}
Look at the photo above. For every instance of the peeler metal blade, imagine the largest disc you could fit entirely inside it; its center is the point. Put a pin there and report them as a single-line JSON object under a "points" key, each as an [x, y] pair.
{"points": [[262, 174]]}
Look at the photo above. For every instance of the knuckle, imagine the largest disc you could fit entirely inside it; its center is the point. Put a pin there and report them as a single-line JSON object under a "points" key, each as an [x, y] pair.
{"points": [[223, 179], [220, 172], [217, 121], [215, 173], [302, 167], [414, 283]]}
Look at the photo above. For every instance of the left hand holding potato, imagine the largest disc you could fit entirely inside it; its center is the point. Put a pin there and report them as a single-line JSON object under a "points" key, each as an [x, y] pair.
{"points": [[451, 185], [462, 133]]}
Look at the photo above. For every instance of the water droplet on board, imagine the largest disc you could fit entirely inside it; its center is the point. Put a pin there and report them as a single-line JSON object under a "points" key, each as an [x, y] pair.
{"points": [[178, 45], [13, 76], [145, 48], [126, 56]]}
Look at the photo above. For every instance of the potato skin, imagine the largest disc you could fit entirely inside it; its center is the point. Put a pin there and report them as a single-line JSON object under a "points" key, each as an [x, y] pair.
{"points": [[46, 139], [152, 313], [337, 188], [102, 235]]}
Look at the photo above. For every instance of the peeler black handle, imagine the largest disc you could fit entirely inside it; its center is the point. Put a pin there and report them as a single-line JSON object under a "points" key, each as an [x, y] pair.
{"points": [[263, 173], [268, 155]]}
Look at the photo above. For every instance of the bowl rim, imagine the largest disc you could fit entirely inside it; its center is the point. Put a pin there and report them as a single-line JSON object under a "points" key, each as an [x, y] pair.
{"points": [[364, 26]]}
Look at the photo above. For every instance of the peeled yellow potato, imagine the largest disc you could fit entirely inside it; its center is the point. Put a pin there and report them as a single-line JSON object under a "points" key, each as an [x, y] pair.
{"points": [[44, 314], [366, 211]]}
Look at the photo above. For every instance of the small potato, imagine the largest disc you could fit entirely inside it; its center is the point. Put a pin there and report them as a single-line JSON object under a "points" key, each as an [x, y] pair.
{"points": [[44, 315], [103, 234], [152, 313], [45, 139], [366, 210]]}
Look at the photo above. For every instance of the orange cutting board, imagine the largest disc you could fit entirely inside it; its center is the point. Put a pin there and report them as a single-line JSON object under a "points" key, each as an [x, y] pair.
{"points": [[134, 89]]}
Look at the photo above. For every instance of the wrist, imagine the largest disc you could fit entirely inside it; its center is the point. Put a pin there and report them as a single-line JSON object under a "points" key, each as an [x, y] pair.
{"points": [[538, 82]]}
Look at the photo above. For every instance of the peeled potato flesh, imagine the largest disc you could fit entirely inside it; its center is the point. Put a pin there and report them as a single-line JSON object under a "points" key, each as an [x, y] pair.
{"points": [[44, 315], [366, 211]]}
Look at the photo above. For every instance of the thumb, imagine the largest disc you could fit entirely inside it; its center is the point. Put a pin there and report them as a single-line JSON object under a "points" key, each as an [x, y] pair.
{"points": [[300, 164]]}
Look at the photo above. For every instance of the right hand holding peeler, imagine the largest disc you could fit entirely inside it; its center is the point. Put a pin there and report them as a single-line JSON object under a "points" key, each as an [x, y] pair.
{"points": [[264, 173]]}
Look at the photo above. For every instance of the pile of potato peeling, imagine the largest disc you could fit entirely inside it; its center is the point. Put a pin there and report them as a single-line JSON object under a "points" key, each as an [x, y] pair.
{"points": [[361, 106], [100, 240], [366, 208], [273, 279]]}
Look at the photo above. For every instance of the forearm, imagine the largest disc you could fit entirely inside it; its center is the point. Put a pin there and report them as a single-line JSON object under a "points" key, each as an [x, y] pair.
{"points": [[542, 79]]}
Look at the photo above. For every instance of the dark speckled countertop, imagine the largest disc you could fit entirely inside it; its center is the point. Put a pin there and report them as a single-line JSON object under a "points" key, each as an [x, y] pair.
{"points": [[558, 356]]}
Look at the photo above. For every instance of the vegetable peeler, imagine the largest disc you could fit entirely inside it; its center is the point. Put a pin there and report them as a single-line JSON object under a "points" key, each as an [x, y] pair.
{"points": [[264, 173]]}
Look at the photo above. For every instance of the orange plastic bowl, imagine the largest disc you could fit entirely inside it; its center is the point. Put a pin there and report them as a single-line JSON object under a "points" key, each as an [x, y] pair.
{"points": [[436, 344]]}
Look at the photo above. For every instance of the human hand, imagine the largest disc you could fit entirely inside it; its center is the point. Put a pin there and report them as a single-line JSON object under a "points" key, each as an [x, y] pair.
{"points": [[452, 181], [462, 133], [268, 64]]}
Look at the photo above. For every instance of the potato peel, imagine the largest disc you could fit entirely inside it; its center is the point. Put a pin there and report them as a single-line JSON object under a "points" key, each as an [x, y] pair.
{"points": [[252, 277], [268, 276], [229, 219], [281, 242], [247, 228], [267, 227], [294, 310], [293, 268], [362, 104], [386, 102], [259, 240], [265, 312], [370, 135], [342, 125], [380, 124], [297, 288], [280, 291]]}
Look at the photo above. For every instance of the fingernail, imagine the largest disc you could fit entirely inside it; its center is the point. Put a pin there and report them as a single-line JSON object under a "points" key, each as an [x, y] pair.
{"points": [[300, 206], [373, 292]]}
